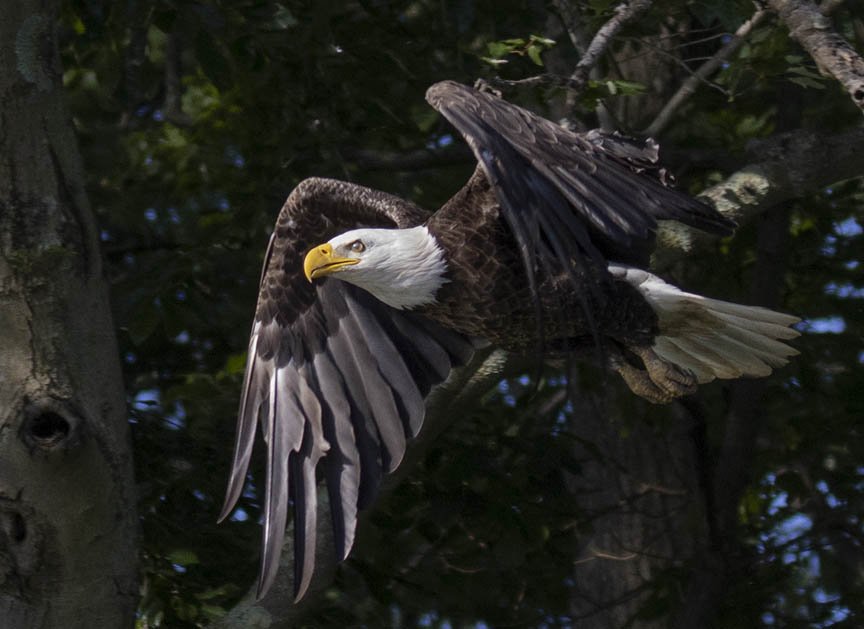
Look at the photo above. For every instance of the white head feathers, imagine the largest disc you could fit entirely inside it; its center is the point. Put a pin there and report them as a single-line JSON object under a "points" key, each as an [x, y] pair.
{"points": [[404, 268]]}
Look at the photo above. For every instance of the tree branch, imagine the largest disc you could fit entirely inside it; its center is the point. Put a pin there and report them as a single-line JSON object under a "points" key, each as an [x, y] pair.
{"points": [[624, 13], [789, 165], [567, 14], [833, 55], [689, 87]]}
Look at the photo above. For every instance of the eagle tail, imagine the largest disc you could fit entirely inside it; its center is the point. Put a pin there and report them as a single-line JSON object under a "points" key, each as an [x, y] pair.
{"points": [[713, 338]]}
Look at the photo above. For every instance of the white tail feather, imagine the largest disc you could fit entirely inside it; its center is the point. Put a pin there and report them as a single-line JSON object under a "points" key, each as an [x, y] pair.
{"points": [[713, 338]]}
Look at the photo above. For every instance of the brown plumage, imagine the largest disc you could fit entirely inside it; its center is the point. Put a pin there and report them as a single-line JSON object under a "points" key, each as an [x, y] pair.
{"points": [[541, 249], [488, 296]]}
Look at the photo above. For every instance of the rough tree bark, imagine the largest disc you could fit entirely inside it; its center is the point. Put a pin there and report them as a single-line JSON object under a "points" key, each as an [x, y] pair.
{"points": [[834, 56], [643, 510], [67, 507]]}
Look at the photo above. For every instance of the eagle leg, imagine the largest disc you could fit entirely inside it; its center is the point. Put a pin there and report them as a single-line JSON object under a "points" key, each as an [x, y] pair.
{"points": [[641, 384], [672, 379], [660, 382]]}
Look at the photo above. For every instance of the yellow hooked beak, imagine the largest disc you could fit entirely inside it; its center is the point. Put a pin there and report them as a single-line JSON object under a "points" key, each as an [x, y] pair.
{"points": [[320, 261]]}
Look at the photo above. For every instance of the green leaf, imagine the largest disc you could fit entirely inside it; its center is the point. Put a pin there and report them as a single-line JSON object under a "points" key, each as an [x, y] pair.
{"points": [[183, 557], [213, 612], [222, 590], [808, 83], [235, 364], [805, 71], [543, 41], [498, 49], [628, 88]]}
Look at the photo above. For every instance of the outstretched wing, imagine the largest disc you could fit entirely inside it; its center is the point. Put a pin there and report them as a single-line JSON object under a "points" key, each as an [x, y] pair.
{"points": [[561, 192], [334, 375]]}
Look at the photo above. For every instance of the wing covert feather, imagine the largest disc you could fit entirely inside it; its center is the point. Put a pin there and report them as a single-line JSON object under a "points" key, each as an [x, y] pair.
{"points": [[614, 184]]}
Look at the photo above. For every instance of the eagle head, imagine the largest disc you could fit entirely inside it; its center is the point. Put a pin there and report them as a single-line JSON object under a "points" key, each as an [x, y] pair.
{"points": [[404, 268]]}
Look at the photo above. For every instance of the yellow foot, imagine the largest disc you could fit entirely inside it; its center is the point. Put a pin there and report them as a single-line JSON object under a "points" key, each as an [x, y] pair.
{"points": [[660, 382], [642, 385], [672, 379]]}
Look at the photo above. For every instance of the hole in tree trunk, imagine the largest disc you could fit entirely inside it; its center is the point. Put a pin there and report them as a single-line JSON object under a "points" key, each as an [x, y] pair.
{"points": [[50, 424], [49, 428], [18, 531]]}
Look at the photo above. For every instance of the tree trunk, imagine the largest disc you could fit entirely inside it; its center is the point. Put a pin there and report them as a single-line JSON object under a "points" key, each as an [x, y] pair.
{"points": [[640, 491], [68, 537]]}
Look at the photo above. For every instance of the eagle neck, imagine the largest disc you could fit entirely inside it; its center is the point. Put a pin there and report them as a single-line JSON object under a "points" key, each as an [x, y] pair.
{"points": [[411, 276]]}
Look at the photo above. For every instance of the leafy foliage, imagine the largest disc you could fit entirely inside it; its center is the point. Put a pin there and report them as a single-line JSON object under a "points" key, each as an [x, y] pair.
{"points": [[196, 118], [533, 47]]}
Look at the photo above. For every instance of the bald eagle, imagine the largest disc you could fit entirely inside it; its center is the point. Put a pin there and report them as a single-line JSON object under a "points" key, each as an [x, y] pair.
{"points": [[367, 302]]}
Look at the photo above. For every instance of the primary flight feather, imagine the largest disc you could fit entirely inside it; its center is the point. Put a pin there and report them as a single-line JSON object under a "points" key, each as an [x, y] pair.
{"points": [[367, 302]]}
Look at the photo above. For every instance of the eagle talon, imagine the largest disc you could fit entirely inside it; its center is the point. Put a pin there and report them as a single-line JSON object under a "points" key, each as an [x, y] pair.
{"points": [[671, 379], [641, 383]]}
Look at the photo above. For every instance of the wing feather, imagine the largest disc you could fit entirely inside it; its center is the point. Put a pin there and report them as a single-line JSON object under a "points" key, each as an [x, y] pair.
{"points": [[365, 433], [610, 186], [250, 399], [343, 477], [370, 385], [431, 360], [282, 439], [335, 377], [306, 497], [391, 367]]}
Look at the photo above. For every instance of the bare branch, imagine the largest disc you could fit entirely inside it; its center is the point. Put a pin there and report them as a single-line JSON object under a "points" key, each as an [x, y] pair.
{"points": [[624, 13], [688, 88], [567, 13], [539, 80], [833, 55]]}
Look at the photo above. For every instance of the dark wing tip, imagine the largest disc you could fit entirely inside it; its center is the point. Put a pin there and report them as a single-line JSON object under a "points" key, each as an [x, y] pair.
{"points": [[607, 187], [265, 581], [232, 494], [227, 509], [271, 553], [702, 215]]}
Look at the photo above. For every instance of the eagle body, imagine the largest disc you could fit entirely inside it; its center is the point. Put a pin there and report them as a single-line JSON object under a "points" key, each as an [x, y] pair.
{"points": [[367, 302], [488, 298]]}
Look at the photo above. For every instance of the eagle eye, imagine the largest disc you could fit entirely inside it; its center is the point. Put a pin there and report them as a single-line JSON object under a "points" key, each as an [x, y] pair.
{"points": [[357, 246]]}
